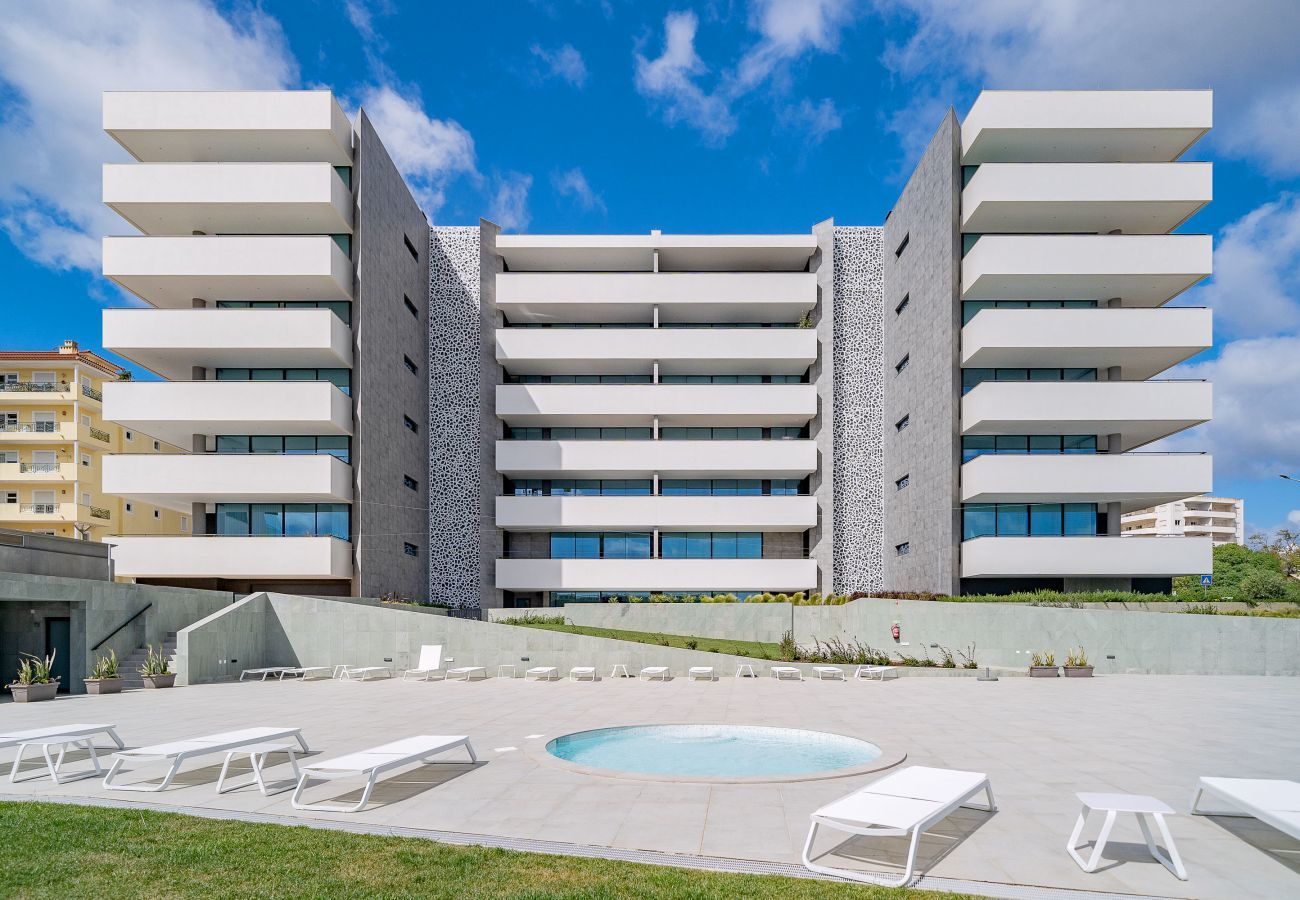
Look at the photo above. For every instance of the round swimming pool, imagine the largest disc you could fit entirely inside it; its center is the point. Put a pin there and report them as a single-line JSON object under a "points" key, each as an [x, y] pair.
{"points": [[713, 751]]}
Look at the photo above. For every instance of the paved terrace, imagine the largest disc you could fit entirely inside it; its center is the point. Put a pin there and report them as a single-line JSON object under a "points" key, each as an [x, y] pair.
{"points": [[1038, 741]]}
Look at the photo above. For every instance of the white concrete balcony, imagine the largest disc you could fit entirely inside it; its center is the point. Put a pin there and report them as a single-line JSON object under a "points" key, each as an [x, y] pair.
{"points": [[229, 126], [1084, 126], [674, 404], [1143, 342], [1137, 198], [1133, 480], [672, 459], [171, 271], [679, 351], [211, 556], [1138, 411], [656, 574], [1142, 270], [171, 342], [671, 513], [230, 198], [176, 480], [1084, 557], [677, 252], [632, 296], [176, 411]]}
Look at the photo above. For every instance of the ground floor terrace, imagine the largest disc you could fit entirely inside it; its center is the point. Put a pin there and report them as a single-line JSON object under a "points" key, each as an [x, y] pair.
{"points": [[1038, 741]]}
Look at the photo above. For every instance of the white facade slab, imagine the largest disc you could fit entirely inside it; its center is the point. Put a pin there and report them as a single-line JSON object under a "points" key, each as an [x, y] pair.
{"points": [[673, 404], [641, 459], [1130, 479], [673, 513], [656, 574], [172, 271], [139, 556], [230, 478], [636, 252], [1084, 557], [170, 342]]}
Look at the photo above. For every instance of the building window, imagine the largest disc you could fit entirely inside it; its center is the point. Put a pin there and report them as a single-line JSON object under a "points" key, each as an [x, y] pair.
{"points": [[85, 498], [340, 378], [411, 248], [903, 549], [410, 482], [410, 549], [129, 508], [902, 304], [711, 545], [341, 308], [185, 524], [284, 519], [410, 366], [902, 245], [157, 514], [85, 460], [608, 545], [970, 378], [970, 307], [85, 420], [410, 425], [11, 497], [338, 446], [410, 307], [579, 487], [902, 423], [128, 435], [901, 483], [731, 487], [1028, 520], [974, 445], [902, 364], [157, 446]]}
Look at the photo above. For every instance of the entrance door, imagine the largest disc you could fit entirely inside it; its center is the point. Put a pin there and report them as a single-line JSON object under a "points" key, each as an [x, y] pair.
{"points": [[58, 640]]}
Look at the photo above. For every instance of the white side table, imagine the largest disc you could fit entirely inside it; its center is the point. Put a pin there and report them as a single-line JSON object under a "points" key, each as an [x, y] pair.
{"points": [[1114, 804], [501, 670], [257, 754], [745, 668], [619, 667]]}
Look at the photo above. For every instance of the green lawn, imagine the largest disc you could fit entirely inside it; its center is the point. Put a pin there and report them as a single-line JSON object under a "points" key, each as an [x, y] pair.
{"points": [[755, 649], [58, 851]]}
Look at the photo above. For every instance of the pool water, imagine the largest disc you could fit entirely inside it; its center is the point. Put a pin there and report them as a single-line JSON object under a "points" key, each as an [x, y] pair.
{"points": [[720, 751]]}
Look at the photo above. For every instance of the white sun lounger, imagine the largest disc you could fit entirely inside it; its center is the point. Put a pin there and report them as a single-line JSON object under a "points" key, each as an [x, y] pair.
{"points": [[55, 766], [831, 673], [304, 671], [1274, 802], [866, 673], [266, 671], [908, 801], [78, 730], [370, 764], [363, 673], [465, 673], [650, 673], [694, 673], [542, 673], [430, 662], [783, 672], [178, 752], [582, 673]]}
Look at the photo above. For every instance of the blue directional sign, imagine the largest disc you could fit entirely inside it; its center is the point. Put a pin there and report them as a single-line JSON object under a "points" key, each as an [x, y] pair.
{"points": [[1207, 580]]}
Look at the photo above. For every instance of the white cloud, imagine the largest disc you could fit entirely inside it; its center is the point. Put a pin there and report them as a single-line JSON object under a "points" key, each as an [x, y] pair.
{"points": [[814, 121], [1255, 432], [1255, 289], [429, 152], [56, 59], [509, 205], [787, 29], [573, 183], [1293, 517], [563, 62], [1245, 51], [670, 79]]}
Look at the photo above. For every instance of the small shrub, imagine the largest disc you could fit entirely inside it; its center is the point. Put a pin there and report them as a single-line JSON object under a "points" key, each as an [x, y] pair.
{"points": [[946, 661], [788, 649], [34, 669], [105, 666], [155, 663], [712, 650], [692, 644], [1076, 660], [1263, 585], [532, 619]]}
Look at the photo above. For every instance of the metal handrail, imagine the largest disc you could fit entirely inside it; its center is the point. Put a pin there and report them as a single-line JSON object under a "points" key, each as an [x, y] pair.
{"points": [[91, 392], [29, 427], [34, 387], [39, 467], [99, 434], [100, 512], [135, 615], [40, 509]]}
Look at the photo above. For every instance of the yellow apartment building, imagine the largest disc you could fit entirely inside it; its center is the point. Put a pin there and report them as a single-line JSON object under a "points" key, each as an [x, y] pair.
{"points": [[53, 439]]}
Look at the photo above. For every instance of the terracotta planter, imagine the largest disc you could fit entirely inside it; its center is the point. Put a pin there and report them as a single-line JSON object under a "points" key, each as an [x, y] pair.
{"points": [[1043, 672], [1078, 671], [32, 693], [159, 681], [103, 685]]}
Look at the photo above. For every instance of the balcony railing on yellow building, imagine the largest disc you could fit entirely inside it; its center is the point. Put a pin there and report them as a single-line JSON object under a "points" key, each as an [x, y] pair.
{"points": [[29, 427], [91, 392], [100, 512], [48, 468], [34, 387], [39, 509], [99, 434]]}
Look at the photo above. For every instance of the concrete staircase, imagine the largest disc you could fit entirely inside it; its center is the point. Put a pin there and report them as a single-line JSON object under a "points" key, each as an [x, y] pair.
{"points": [[129, 668]]}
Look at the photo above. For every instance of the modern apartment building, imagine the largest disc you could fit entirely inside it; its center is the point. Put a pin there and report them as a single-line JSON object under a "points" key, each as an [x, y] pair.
{"points": [[1221, 519], [53, 441], [953, 402], [285, 267]]}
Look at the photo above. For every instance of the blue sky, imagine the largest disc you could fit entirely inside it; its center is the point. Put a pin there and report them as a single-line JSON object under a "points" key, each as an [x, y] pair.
{"points": [[768, 115]]}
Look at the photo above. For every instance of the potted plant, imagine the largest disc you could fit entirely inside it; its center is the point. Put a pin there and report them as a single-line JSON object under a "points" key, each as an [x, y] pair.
{"points": [[1043, 665], [104, 678], [34, 681], [156, 670], [1077, 666]]}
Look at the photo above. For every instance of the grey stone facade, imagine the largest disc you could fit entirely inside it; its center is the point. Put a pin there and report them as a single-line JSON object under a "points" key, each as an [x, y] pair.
{"points": [[387, 514], [456, 406], [855, 455], [924, 515]]}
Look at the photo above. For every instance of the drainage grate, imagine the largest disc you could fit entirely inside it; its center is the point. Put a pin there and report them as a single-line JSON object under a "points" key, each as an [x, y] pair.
{"points": [[591, 851]]}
